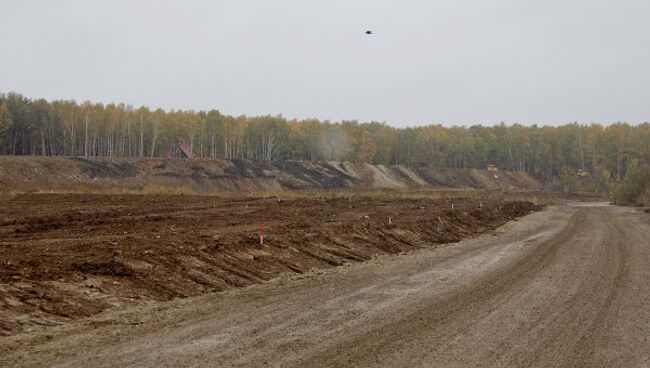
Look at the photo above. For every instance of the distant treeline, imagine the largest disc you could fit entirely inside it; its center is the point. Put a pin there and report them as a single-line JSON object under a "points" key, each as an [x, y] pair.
{"points": [[634, 189], [40, 127]]}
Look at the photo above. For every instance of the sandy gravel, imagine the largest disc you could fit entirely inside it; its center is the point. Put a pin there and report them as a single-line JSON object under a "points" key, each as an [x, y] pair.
{"points": [[568, 286]]}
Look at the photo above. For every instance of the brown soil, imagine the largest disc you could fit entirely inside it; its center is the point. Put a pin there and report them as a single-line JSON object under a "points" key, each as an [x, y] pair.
{"points": [[568, 286], [24, 173], [66, 256]]}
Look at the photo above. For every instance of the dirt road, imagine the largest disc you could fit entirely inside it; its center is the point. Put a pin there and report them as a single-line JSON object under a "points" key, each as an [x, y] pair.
{"points": [[568, 286]]}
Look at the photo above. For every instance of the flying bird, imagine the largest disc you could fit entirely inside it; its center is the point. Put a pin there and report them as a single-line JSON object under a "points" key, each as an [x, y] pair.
{"points": [[369, 32]]}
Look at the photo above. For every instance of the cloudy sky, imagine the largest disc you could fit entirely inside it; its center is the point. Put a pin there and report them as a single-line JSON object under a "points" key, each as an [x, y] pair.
{"points": [[438, 61]]}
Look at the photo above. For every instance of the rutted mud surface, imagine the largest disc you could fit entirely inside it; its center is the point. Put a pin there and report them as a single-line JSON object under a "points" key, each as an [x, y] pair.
{"points": [[565, 287], [70, 256]]}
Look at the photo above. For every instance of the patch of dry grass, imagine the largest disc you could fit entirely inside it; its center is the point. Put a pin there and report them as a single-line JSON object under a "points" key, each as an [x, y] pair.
{"points": [[387, 194]]}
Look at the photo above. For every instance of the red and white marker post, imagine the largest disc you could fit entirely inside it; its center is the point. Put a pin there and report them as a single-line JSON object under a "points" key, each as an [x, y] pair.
{"points": [[261, 233]]}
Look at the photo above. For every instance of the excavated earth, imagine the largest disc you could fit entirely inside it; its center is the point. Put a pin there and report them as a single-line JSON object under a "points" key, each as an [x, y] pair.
{"points": [[568, 286], [34, 173], [67, 256]]}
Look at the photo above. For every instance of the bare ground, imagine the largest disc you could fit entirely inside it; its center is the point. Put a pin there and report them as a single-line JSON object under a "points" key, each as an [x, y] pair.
{"points": [[568, 286], [66, 256], [37, 173]]}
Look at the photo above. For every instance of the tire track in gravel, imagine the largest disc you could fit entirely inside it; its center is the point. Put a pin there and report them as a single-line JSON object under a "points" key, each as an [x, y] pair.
{"points": [[457, 312]]}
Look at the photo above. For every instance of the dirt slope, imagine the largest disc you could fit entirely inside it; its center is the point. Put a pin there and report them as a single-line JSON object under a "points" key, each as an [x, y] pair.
{"points": [[566, 287], [66, 256], [21, 173]]}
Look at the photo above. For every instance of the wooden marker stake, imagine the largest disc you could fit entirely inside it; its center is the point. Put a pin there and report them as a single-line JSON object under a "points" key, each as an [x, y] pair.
{"points": [[261, 233]]}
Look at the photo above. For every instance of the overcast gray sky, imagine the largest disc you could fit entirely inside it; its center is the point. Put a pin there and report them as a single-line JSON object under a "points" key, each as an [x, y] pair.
{"points": [[450, 62]]}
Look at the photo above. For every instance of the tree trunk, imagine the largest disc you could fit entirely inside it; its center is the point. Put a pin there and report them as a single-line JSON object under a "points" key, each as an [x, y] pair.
{"points": [[86, 138], [153, 140], [43, 142], [141, 135]]}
